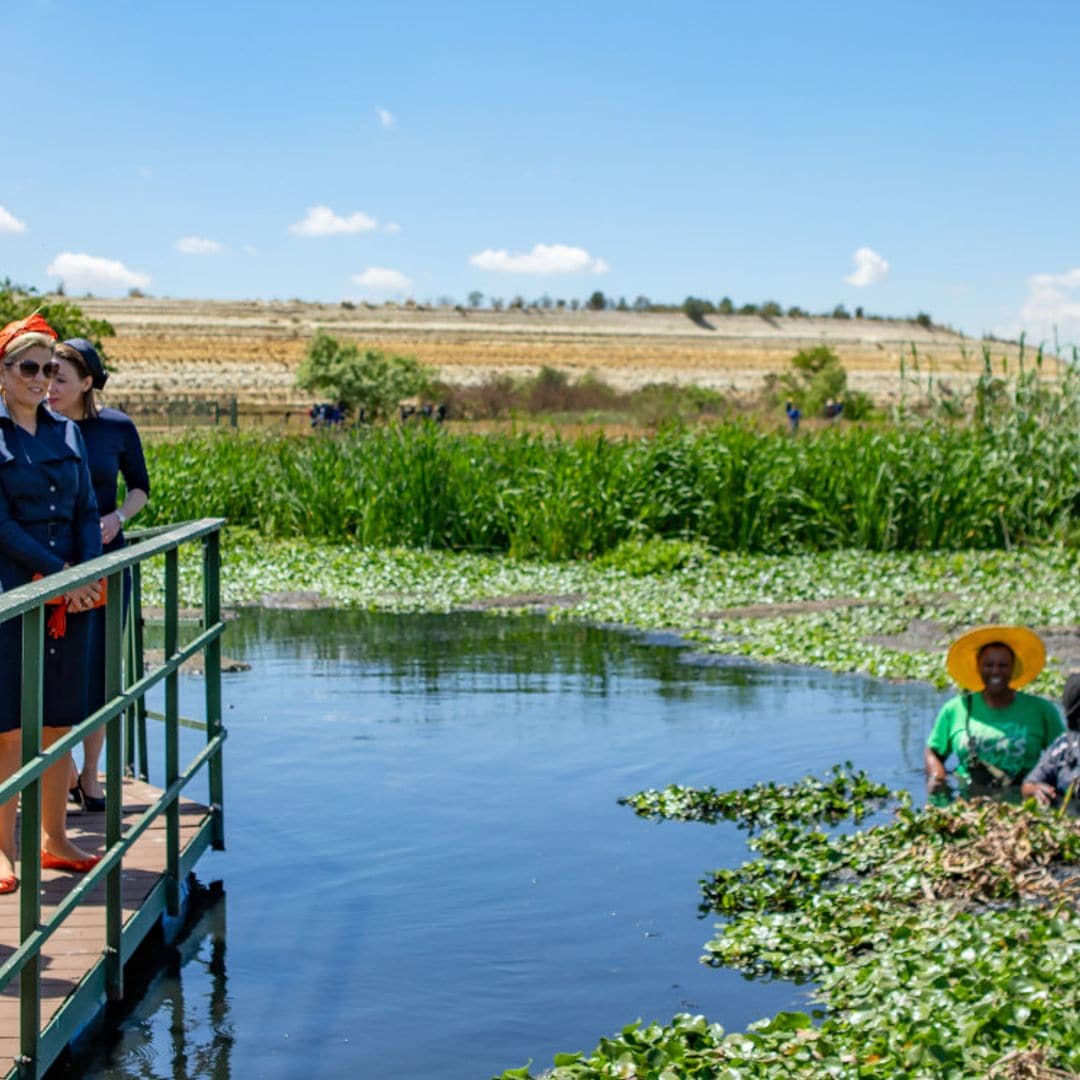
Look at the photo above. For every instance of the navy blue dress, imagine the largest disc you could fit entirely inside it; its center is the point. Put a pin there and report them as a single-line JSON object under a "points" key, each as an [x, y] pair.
{"points": [[113, 448], [48, 517]]}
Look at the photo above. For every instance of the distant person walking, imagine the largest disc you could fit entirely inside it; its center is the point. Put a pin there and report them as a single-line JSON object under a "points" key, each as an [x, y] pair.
{"points": [[794, 415], [113, 449]]}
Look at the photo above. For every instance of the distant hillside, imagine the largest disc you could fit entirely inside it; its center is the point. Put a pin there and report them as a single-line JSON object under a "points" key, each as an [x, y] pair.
{"points": [[253, 347]]}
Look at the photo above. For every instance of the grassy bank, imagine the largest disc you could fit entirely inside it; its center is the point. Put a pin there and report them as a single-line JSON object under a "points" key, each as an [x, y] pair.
{"points": [[733, 488]]}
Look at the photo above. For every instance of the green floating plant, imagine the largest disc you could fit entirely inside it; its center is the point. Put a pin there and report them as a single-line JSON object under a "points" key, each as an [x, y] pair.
{"points": [[942, 944], [844, 793]]}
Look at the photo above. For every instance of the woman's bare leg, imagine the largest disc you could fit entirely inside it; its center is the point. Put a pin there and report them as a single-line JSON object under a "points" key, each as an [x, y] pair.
{"points": [[54, 791], [88, 778], [10, 760]]}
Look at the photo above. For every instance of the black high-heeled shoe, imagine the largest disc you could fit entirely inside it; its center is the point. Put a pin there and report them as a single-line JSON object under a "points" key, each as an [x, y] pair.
{"points": [[91, 803]]}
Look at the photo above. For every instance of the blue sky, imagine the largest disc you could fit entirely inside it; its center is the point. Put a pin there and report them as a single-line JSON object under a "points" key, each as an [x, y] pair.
{"points": [[332, 150]]}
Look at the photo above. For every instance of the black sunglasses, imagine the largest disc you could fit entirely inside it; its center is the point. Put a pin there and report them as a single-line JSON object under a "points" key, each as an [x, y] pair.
{"points": [[29, 368]]}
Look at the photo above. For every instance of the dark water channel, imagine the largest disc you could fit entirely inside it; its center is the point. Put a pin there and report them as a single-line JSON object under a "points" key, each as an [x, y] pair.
{"points": [[428, 874]]}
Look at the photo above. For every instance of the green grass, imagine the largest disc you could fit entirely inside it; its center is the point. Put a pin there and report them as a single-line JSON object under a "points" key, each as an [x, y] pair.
{"points": [[926, 486]]}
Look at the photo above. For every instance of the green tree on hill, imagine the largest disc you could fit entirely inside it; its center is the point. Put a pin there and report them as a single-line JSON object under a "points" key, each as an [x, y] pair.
{"points": [[817, 377], [370, 380]]}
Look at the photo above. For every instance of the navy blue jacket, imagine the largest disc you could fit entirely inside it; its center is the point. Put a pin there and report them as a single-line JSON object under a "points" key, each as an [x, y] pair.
{"points": [[48, 513], [113, 447]]}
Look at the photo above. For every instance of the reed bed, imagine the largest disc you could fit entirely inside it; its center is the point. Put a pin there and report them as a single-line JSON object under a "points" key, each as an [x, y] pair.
{"points": [[913, 486]]}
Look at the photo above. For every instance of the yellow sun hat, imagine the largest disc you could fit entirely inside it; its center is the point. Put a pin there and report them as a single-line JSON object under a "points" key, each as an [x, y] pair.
{"points": [[963, 659]]}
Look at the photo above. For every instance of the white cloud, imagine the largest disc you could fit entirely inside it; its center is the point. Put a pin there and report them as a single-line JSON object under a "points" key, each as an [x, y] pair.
{"points": [[386, 118], [198, 245], [9, 223], [1052, 305], [392, 227], [380, 279], [91, 273], [543, 259], [870, 268], [322, 221]]}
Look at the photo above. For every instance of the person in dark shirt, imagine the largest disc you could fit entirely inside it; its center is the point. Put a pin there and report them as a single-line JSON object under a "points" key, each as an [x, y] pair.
{"points": [[114, 449], [48, 521], [1057, 773]]}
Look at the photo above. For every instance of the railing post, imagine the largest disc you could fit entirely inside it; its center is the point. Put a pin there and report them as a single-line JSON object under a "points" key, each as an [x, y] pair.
{"points": [[138, 669], [33, 663], [114, 790], [172, 730], [212, 666]]}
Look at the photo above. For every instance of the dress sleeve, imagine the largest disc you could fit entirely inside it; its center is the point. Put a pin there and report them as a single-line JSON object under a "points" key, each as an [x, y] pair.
{"points": [[87, 522], [132, 460]]}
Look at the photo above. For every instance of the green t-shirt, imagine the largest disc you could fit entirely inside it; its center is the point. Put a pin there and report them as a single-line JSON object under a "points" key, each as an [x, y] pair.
{"points": [[1010, 739]]}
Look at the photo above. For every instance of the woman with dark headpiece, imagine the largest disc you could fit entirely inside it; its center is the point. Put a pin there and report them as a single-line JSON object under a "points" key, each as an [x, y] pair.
{"points": [[1057, 774], [48, 521], [114, 449], [996, 732]]}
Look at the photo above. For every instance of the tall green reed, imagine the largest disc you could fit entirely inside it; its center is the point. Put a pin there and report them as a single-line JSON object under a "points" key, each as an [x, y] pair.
{"points": [[1007, 477]]}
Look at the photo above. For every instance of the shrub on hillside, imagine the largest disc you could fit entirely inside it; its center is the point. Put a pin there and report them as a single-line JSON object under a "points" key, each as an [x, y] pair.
{"points": [[370, 380]]}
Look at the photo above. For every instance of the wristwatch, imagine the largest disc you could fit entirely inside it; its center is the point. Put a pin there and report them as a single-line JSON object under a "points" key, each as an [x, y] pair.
{"points": [[120, 514]]}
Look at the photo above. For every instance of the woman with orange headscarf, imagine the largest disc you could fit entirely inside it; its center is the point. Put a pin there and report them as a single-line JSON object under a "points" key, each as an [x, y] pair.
{"points": [[48, 521]]}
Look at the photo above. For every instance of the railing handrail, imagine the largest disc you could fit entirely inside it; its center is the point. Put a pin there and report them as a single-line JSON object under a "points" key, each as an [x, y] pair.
{"points": [[26, 597]]}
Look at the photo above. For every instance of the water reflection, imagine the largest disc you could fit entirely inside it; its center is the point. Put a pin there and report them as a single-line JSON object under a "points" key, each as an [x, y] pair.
{"points": [[428, 870], [181, 1027]]}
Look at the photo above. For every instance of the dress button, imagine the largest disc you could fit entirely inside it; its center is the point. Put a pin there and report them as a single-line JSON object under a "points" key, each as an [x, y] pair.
{"points": [[52, 543], [52, 487], [52, 507], [52, 652]]}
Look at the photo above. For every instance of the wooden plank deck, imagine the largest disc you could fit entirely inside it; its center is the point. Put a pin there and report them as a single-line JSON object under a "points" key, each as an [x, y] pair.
{"points": [[77, 945]]}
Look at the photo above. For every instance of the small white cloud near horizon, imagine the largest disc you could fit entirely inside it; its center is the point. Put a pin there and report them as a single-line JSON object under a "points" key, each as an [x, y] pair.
{"points": [[9, 223], [91, 273], [322, 221], [870, 268], [383, 280], [386, 118], [198, 245], [543, 259], [1051, 308]]}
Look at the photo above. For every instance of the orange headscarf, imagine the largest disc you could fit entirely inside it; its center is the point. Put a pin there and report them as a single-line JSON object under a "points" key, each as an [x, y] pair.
{"points": [[32, 324]]}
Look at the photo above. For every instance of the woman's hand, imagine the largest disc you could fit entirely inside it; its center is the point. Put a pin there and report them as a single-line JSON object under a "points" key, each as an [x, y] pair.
{"points": [[84, 597], [1043, 794], [110, 527], [936, 776]]}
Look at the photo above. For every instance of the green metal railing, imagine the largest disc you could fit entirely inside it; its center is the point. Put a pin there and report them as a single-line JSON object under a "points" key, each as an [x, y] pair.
{"points": [[125, 692]]}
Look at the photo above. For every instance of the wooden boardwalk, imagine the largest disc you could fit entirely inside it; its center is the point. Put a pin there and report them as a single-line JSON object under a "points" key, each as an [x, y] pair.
{"points": [[77, 946]]}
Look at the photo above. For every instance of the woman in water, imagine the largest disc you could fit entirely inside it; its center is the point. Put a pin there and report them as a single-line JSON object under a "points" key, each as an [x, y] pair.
{"points": [[996, 732]]}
